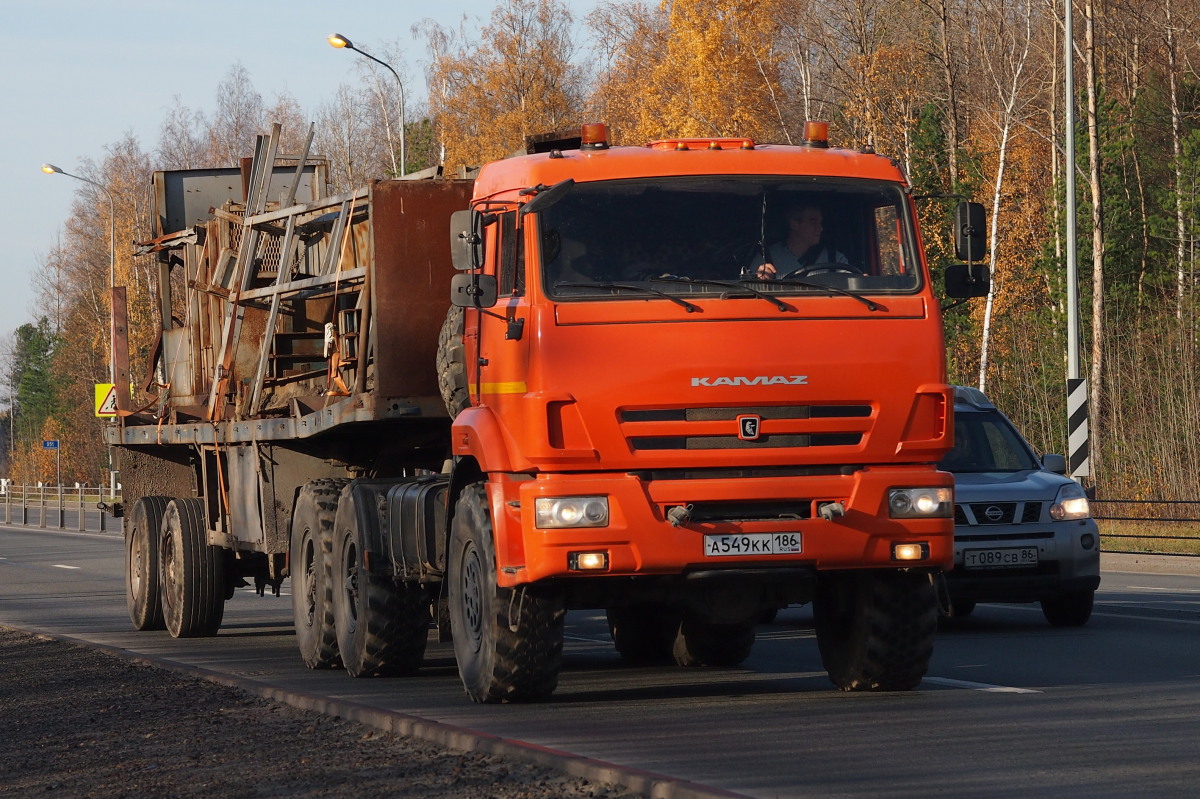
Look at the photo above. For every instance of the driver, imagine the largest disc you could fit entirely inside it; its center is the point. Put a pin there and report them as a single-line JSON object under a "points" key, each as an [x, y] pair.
{"points": [[802, 250]]}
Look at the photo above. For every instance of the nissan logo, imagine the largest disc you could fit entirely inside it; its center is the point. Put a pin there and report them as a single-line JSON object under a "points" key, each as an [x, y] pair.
{"points": [[993, 513]]}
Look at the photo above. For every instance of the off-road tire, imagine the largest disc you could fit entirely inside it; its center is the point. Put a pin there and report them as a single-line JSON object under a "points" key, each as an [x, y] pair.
{"points": [[702, 643], [643, 633], [382, 625], [961, 608], [1072, 609], [311, 560], [875, 629], [452, 363], [191, 574], [507, 641], [143, 527]]}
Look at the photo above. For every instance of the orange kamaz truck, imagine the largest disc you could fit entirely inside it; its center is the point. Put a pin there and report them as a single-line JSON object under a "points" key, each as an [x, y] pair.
{"points": [[593, 377]]}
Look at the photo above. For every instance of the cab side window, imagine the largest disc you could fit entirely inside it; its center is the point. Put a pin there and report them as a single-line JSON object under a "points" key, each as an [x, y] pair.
{"points": [[511, 273]]}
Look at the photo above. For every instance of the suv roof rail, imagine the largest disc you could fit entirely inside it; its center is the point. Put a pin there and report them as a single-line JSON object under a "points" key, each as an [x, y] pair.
{"points": [[972, 396]]}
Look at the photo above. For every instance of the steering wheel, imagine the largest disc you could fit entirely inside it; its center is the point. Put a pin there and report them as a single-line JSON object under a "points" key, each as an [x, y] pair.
{"points": [[826, 268]]}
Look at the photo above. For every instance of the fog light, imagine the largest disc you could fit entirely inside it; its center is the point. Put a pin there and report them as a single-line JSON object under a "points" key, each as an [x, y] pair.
{"points": [[1087, 541], [910, 551], [587, 561]]}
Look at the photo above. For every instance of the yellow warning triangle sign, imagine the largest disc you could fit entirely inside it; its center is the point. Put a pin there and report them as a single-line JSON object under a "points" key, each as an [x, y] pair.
{"points": [[106, 399]]}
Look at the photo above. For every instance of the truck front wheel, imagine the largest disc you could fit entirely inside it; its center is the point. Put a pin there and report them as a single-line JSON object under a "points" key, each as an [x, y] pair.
{"points": [[382, 625], [508, 642], [312, 573], [141, 562], [703, 643], [192, 574], [875, 629]]}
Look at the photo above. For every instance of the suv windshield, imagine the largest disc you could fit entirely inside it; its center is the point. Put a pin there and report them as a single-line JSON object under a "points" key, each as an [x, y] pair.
{"points": [[694, 235], [987, 442]]}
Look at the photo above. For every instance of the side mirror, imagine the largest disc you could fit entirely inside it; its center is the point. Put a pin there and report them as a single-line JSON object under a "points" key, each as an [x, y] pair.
{"points": [[473, 291], [970, 234], [1054, 463], [466, 238], [963, 281]]}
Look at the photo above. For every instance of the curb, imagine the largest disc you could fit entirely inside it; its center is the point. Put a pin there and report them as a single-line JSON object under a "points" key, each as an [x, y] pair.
{"points": [[1185, 565], [463, 739]]}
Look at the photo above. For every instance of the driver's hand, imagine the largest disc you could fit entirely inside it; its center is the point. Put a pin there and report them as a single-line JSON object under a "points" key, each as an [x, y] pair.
{"points": [[766, 271]]}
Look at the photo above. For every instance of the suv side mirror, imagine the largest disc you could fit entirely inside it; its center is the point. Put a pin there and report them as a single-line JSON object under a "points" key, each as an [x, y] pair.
{"points": [[1054, 463], [970, 223], [473, 291], [963, 281]]}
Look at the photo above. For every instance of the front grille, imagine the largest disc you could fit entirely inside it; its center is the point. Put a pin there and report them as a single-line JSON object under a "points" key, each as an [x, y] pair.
{"points": [[986, 513], [718, 428], [743, 511], [645, 443]]}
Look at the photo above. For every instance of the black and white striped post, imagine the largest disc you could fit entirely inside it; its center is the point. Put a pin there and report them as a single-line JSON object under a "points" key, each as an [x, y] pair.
{"points": [[1077, 428]]}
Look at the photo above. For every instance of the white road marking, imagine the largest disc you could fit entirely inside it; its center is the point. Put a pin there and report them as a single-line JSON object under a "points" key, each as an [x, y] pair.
{"points": [[60, 566], [979, 686], [1164, 588]]}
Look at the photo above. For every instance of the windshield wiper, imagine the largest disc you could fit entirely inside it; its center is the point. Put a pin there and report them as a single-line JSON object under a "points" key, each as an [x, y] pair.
{"points": [[689, 307], [729, 284], [871, 305]]}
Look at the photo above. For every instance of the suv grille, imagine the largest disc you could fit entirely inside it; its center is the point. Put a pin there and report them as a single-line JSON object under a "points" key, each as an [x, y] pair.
{"points": [[983, 513]]}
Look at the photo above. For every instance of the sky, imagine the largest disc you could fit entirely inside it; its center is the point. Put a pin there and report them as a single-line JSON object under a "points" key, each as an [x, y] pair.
{"points": [[77, 75]]}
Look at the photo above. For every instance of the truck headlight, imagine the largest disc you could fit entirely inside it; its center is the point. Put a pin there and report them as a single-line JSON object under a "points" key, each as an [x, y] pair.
{"points": [[1071, 503], [558, 512], [921, 503]]}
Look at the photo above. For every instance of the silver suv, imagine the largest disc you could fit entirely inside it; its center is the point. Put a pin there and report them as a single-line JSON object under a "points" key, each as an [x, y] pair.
{"points": [[1022, 529]]}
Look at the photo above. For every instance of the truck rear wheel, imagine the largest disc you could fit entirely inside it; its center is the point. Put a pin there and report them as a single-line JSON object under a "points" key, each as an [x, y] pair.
{"points": [[382, 625], [703, 643], [875, 629], [452, 363], [643, 633], [141, 563], [312, 573], [192, 573], [508, 642]]}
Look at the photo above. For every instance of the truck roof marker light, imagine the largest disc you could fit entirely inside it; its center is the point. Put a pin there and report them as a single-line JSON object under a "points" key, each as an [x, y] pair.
{"points": [[816, 134], [593, 136]]}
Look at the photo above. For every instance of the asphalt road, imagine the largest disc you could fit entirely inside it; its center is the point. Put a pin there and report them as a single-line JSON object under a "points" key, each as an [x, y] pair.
{"points": [[1010, 707]]}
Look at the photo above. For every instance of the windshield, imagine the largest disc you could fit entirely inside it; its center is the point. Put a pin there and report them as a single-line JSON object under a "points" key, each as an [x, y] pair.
{"points": [[987, 442], [692, 235]]}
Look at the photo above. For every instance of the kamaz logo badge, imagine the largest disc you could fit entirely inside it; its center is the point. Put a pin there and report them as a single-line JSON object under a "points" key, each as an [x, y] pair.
{"points": [[760, 380], [748, 427]]}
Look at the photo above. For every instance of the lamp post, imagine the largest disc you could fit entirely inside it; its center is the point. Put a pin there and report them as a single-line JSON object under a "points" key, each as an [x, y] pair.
{"points": [[340, 42], [51, 169]]}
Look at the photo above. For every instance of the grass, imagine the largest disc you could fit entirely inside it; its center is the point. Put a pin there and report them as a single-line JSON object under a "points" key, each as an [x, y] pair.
{"points": [[1150, 537]]}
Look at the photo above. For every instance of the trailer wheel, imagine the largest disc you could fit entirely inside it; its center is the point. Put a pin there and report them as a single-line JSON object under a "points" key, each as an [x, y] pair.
{"points": [[192, 573], [643, 633], [875, 629], [452, 363], [704, 643], [382, 625], [311, 560], [141, 562], [508, 642]]}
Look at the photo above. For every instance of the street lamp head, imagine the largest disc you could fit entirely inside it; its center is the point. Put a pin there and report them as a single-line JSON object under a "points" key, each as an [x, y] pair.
{"points": [[50, 169], [339, 41]]}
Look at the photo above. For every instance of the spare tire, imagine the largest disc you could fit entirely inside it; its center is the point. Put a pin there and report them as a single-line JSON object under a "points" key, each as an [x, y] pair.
{"points": [[452, 363]]}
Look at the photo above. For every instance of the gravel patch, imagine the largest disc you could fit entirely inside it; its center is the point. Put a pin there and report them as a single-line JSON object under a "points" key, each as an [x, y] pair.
{"points": [[80, 722]]}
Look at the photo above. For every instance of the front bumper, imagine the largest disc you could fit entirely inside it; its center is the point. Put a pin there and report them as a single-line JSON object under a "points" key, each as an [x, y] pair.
{"points": [[639, 539], [1068, 561]]}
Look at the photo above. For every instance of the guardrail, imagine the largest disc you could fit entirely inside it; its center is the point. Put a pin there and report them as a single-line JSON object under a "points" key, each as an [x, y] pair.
{"points": [[60, 507], [1138, 525]]}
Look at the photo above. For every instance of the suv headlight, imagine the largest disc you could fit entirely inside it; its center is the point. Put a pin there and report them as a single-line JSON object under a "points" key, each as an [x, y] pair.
{"points": [[558, 512], [1071, 503], [921, 503]]}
